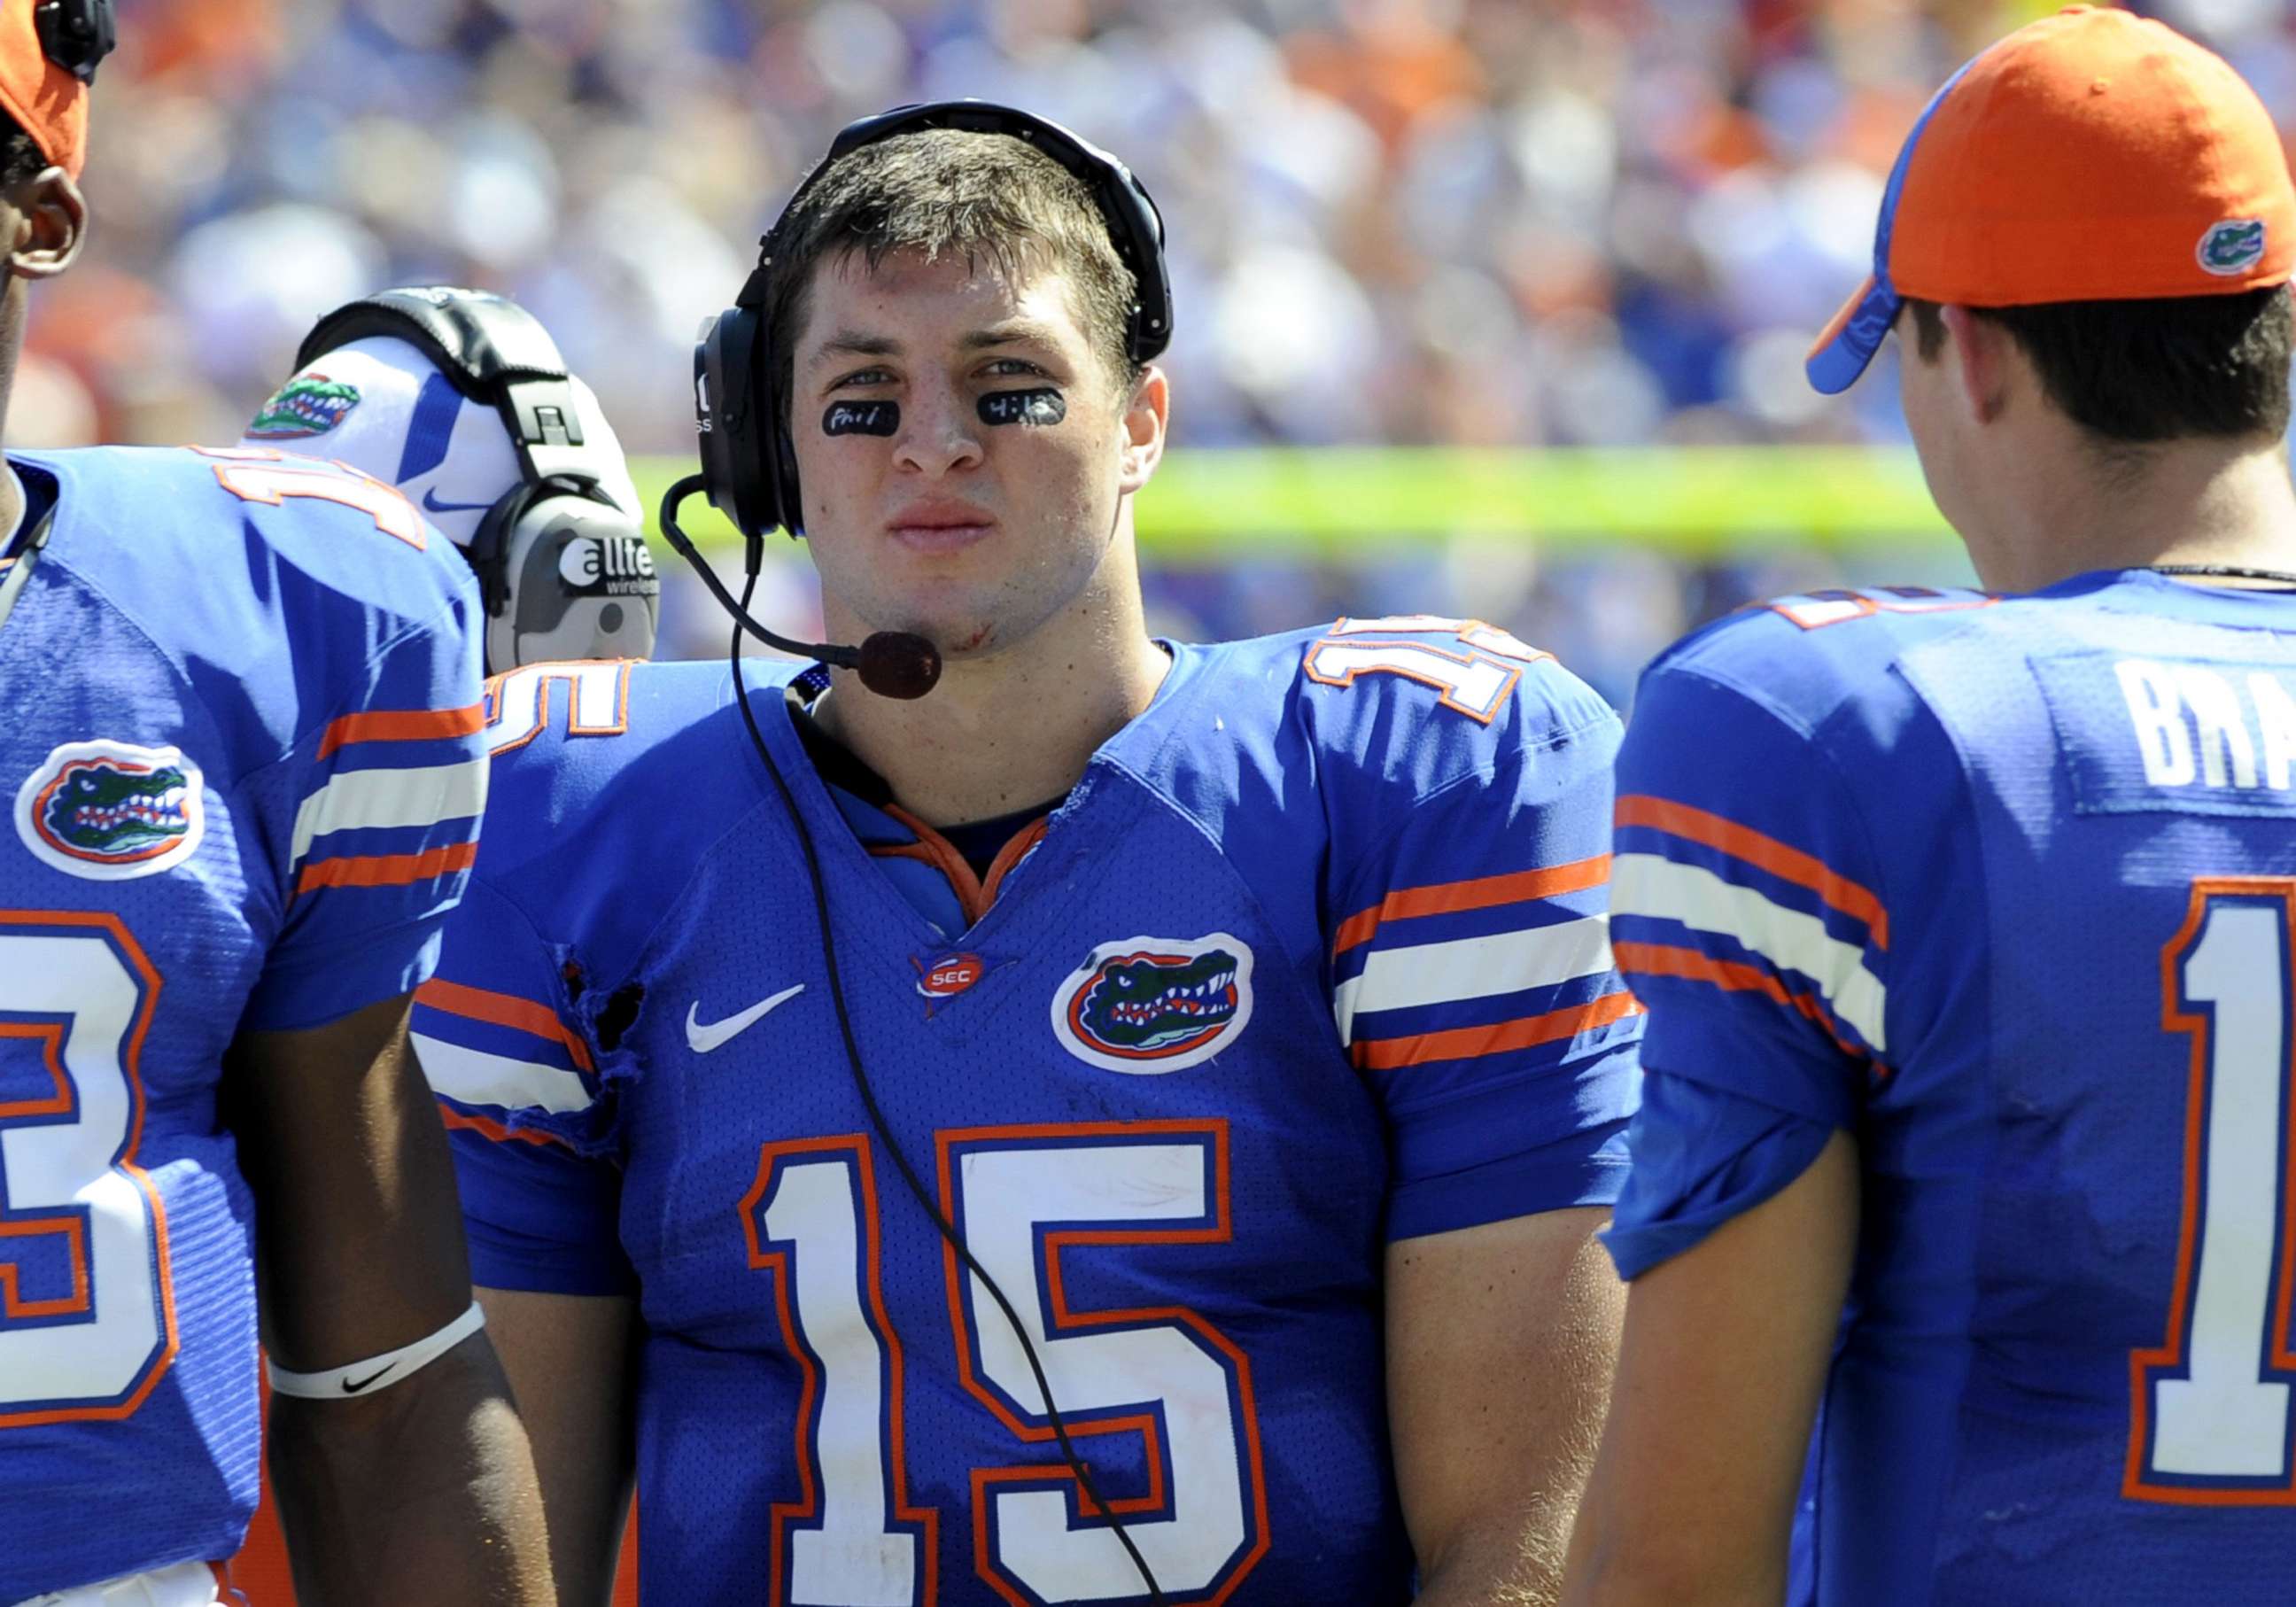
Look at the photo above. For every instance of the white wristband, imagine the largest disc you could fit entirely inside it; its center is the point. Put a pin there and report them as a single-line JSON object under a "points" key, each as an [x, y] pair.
{"points": [[377, 1371]]}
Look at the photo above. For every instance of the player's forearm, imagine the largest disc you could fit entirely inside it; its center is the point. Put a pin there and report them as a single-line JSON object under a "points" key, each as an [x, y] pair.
{"points": [[428, 1485]]}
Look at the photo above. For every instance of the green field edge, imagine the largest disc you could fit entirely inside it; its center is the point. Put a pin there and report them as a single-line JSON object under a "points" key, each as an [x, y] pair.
{"points": [[1690, 500]]}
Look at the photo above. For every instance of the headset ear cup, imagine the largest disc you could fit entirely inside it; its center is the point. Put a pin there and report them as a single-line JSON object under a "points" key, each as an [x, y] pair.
{"points": [[776, 458], [484, 553], [735, 475]]}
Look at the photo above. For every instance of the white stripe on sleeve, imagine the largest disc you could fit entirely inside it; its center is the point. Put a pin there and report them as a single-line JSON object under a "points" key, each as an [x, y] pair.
{"points": [[364, 799], [1473, 968], [1661, 888], [476, 1077]]}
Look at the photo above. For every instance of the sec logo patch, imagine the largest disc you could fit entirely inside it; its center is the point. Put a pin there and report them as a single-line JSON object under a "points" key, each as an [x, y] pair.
{"points": [[949, 976], [1148, 1005], [111, 811]]}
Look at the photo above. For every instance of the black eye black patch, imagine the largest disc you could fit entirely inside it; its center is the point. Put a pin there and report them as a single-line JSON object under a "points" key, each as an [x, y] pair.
{"points": [[1035, 408], [861, 418]]}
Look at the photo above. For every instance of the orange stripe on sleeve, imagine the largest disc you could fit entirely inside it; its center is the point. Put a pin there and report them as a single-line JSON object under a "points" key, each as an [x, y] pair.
{"points": [[387, 870], [1764, 853], [1463, 1043], [402, 726], [503, 1010], [496, 1130], [1688, 964], [1480, 892]]}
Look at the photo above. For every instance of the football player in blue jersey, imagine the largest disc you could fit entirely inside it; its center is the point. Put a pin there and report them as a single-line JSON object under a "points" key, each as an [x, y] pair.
{"points": [[1966, 921], [1128, 1126], [443, 393], [244, 769]]}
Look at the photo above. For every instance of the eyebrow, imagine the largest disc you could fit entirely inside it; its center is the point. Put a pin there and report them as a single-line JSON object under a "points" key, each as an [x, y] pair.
{"points": [[1011, 331], [853, 343]]}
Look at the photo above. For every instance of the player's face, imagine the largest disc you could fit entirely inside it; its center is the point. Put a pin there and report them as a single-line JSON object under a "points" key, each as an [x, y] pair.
{"points": [[963, 450]]}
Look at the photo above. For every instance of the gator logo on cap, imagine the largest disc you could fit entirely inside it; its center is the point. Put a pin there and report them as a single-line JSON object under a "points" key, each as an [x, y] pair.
{"points": [[1148, 1005], [111, 810], [2233, 247], [309, 404]]}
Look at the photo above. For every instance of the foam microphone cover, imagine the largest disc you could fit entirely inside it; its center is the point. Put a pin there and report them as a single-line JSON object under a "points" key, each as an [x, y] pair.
{"points": [[896, 664]]}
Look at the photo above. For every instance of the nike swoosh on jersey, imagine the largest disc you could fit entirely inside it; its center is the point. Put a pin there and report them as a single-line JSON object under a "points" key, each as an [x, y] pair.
{"points": [[430, 501], [702, 1038]]}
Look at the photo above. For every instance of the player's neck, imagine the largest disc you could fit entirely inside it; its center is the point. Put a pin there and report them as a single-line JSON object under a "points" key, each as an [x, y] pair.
{"points": [[1010, 729], [2187, 502]]}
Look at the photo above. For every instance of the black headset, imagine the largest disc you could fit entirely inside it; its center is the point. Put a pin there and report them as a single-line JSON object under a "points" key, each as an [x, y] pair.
{"points": [[748, 463], [76, 34], [748, 468], [541, 585]]}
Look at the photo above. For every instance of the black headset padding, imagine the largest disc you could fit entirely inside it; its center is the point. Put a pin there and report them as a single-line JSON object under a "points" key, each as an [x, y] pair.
{"points": [[755, 486], [735, 476], [481, 343]]}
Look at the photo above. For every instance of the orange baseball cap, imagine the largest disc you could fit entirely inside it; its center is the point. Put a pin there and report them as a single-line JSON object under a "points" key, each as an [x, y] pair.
{"points": [[48, 100], [2092, 156]]}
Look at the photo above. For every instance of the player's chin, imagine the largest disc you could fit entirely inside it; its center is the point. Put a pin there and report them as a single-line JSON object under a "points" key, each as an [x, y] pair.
{"points": [[959, 632]]}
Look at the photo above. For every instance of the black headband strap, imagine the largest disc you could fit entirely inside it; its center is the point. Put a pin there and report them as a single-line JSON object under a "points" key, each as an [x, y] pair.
{"points": [[491, 349]]}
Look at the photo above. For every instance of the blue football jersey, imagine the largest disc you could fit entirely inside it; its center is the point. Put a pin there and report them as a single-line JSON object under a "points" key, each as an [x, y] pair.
{"points": [[2007, 889], [1314, 957], [244, 761]]}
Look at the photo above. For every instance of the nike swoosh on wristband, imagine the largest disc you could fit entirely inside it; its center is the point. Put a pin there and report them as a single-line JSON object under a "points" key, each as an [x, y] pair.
{"points": [[352, 1388], [702, 1038], [430, 501]]}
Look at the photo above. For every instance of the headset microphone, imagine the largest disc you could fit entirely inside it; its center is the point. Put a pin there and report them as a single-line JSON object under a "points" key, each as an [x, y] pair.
{"points": [[891, 663]]}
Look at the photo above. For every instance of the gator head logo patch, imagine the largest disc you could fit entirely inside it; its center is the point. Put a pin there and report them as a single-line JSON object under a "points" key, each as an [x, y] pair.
{"points": [[2232, 247], [111, 810], [309, 404], [1148, 1005]]}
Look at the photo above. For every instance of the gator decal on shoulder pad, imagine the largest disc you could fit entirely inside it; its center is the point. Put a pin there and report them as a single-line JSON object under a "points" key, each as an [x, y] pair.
{"points": [[308, 404], [1148, 1005], [110, 811]]}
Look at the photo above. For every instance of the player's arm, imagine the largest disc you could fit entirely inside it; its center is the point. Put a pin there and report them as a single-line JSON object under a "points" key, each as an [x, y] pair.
{"points": [[568, 1359], [1475, 991], [425, 1477], [1725, 1357], [395, 1469], [1500, 1340], [1747, 914], [508, 1055]]}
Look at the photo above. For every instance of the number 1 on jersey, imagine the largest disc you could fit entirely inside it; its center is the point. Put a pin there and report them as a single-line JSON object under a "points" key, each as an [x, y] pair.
{"points": [[2210, 1416], [852, 1540]]}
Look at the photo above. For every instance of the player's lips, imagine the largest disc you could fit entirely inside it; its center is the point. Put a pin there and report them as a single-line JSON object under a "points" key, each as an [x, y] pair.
{"points": [[940, 527]]}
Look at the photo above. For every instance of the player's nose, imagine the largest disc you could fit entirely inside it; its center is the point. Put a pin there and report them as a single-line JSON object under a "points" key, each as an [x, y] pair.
{"points": [[939, 434]]}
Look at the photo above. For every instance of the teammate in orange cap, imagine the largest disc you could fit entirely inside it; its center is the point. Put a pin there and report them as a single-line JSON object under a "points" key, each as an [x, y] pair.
{"points": [[243, 763], [1967, 921]]}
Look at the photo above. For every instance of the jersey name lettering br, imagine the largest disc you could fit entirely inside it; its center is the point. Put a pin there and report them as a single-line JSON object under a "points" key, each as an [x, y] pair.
{"points": [[1218, 1036], [2008, 887]]}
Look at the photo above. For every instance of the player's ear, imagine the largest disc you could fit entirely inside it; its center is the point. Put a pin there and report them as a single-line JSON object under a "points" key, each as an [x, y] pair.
{"points": [[1982, 356], [1145, 415], [51, 222]]}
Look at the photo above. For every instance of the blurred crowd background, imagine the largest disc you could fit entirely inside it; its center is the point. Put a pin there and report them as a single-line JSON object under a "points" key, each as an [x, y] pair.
{"points": [[1506, 222]]}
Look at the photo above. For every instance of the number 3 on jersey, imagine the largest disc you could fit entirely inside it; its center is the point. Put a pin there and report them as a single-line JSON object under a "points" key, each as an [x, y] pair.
{"points": [[2210, 1421], [86, 1318], [1175, 1387]]}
